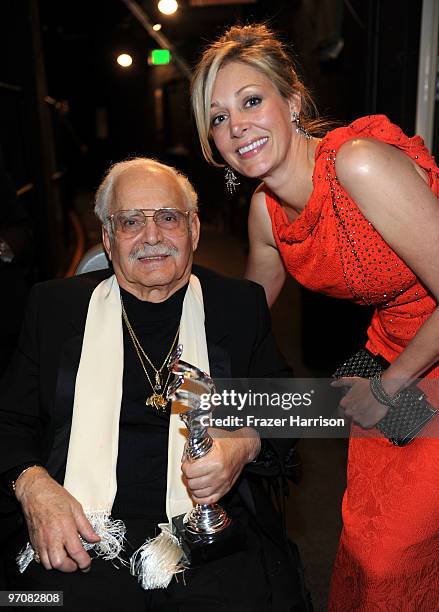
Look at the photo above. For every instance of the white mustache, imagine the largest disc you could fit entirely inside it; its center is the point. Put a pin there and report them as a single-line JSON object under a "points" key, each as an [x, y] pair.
{"points": [[141, 251]]}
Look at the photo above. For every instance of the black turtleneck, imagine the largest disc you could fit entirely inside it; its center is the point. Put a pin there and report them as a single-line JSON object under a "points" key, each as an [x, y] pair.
{"points": [[143, 433]]}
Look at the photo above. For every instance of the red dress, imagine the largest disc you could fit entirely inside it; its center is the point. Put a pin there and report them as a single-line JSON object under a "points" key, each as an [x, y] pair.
{"points": [[388, 558]]}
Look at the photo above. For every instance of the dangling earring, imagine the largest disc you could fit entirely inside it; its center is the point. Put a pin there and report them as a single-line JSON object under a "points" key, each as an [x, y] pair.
{"points": [[299, 128], [231, 180]]}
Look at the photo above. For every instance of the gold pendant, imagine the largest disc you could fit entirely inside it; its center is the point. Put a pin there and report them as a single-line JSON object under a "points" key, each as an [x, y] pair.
{"points": [[157, 401]]}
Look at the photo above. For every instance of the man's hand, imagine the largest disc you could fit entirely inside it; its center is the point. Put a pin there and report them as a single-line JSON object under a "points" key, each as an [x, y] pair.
{"points": [[211, 477], [359, 403], [54, 519]]}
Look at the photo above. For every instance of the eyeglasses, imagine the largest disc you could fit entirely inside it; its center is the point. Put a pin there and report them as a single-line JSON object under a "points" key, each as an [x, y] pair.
{"points": [[131, 222]]}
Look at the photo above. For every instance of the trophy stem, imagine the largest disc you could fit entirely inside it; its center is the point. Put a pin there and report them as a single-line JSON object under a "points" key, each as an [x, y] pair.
{"points": [[206, 519], [198, 447]]}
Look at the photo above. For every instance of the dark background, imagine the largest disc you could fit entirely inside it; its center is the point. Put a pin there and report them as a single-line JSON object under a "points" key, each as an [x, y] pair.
{"points": [[68, 110]]}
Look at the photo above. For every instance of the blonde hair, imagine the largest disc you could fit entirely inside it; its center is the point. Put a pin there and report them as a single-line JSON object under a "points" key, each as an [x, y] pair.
{"points": [[257, 46], [104, 194]]}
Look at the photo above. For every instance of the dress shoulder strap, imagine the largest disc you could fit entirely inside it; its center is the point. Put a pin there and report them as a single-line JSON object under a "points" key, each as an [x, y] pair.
{"points": [[381, 128]]}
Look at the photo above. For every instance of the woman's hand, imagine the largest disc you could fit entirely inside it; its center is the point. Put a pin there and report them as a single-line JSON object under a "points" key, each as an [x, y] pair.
{"points": [[211, 477], [359, 403]]}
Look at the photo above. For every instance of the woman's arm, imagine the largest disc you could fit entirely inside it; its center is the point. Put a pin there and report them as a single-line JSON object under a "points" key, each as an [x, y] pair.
{"points": [[264, 264], [392, 193]]}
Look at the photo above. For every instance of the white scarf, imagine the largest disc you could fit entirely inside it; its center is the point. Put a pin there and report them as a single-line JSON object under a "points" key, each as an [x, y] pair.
{"points": [[92, 455]]}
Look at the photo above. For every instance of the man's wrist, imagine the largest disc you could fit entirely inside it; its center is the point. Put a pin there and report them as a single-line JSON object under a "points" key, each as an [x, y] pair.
{"points": [[10, 476], [19, 484], [255, 445]]}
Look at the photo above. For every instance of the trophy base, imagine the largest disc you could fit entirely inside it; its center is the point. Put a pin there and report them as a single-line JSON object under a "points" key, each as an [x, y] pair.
{"points": [[201, 548]]}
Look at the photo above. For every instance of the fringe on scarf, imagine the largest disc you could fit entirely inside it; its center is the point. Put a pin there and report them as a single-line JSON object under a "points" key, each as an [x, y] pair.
{"points": [[112, 533], [158, 560], [24, 557]]}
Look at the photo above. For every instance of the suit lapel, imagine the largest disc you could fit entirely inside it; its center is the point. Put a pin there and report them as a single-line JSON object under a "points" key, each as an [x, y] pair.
{"points": [[63, 406], [219, 360], [216, 333], [66, 376]]}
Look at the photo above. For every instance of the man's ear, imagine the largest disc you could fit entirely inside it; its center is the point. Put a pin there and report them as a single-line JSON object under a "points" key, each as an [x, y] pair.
{"points": [[195, 230], [106, 241]]}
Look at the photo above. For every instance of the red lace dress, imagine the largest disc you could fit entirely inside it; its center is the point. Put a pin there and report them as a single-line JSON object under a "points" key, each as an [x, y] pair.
{"points": [[388, 557]]}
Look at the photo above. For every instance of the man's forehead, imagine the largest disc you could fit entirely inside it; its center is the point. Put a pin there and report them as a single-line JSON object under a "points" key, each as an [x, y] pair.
{"points": [[137, 186]]}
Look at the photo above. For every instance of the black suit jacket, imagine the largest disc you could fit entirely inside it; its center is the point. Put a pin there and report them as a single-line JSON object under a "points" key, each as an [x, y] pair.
{"points": [[36, 393]]}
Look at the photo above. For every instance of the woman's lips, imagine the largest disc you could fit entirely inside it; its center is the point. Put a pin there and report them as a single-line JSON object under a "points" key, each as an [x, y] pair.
{"points": [[253, 147]]}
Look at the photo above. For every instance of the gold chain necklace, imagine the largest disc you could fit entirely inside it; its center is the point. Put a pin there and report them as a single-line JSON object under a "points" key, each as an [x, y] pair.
{"points": [[157, 399]]}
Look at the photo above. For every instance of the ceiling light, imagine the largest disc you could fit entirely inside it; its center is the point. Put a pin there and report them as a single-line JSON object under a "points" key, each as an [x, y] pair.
{"points": [[125, 60], [167, 7]]}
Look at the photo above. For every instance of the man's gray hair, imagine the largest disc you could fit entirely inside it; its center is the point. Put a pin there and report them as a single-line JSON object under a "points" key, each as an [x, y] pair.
{"points": [[104, 194]]}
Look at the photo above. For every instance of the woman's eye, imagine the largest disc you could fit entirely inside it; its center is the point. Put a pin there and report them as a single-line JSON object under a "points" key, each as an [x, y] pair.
{"points": [[253, 101], [217, 120]]}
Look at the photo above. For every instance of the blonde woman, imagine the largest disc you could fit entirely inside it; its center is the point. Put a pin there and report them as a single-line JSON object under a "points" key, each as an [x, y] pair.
{"points": [[353, 214]]}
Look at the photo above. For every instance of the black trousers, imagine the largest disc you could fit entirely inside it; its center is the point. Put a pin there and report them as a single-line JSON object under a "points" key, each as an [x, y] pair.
{"points": [[236, 583]]}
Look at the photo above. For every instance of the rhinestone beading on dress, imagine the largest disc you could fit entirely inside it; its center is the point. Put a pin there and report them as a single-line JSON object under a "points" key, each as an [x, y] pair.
{"points": [[379, 275]]}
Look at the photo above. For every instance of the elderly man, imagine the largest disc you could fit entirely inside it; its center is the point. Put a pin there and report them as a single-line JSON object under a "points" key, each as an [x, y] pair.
{"points": [[90, 451]]}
